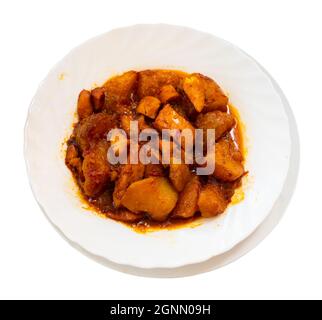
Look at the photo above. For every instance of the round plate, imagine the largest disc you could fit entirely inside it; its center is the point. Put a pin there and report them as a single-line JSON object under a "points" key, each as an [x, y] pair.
{"points": [[139, 47]]}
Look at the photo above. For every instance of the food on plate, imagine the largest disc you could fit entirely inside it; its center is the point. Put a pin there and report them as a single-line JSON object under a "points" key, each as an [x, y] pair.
{"points": [[149, 194]]}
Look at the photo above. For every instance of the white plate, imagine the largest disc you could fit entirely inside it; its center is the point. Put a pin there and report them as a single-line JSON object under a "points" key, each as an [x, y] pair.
{"points": [[157, 46]]}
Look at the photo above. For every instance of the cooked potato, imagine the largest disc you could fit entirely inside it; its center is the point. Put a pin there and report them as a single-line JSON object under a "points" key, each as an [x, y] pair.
{"points": [[151, 81], [194, 89], [220, 121], [149, 106], [125, 120], [120, 89], [96, 169], [228, 165], [168, 118], [98, 98], [215, 99], [211, 201], [187, 204], [179, 175], [160, 202], [168, 93], [84, 104], [93, 128], [129, 173]]}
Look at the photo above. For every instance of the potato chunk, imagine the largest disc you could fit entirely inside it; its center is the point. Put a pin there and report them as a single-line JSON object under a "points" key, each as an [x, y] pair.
{"points": [[93, 128], [149, 106], [179, 175], [168, 93], [151, 81], [168, 118], [160, 201], [194, 89], [220, 121], [84, 104], [119, 90], [129, 173], [228, 165], [211, 201], [96, 169], [215, 99], [98, 98], [187, 204]]}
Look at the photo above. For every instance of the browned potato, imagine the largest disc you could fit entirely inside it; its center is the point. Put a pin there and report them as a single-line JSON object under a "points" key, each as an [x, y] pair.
{"points": [[84, 104], [160, 202], [228, 165], [154, 170], [129, 173], [168, 93], [168, 118], [141, 122], [211, 201], [93, 128], [193, 87], [179, 175], [215, 99], [149, 106], [98, 98], [220, 121], [119, 90], [151, 81], [96, 169], [187, 204], [126, 118]]}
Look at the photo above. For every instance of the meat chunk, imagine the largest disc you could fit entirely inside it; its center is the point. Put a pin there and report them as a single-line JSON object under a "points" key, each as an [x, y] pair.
{"points": [[220, 121], [187, 204], [120, 90], [154, 170], [71, 154], [93, 128], [98, 98], [149, 106], [160, 202], [228, 161], [211, 201], [179, 175], [73, 161], [168, 93], [193, 87], [96, 169], [124, 215], [84, 104], [151, 81], [168, 118], [129, 173]]}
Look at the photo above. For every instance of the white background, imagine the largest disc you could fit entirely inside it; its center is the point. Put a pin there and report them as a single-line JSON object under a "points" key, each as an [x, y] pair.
{"points": [[284, 36]]}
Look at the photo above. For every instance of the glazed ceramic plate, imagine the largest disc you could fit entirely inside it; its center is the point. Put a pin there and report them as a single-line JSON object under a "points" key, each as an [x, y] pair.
{"points": [[140, 47]]}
